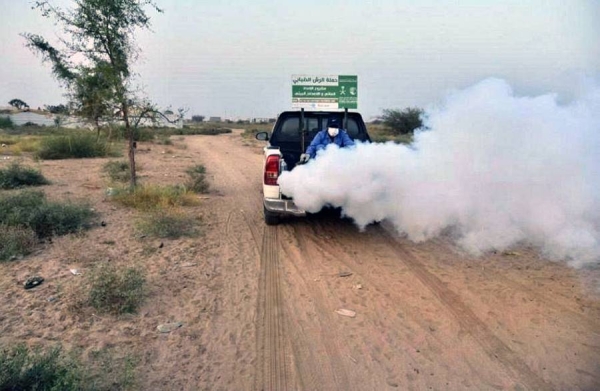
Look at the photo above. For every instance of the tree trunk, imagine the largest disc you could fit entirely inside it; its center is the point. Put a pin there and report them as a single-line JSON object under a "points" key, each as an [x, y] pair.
{"points": [[97, 129], [130, 133]]}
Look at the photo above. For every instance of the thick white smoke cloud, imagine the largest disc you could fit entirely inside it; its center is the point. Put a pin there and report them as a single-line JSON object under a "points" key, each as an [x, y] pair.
{"points": [[499, 169]]}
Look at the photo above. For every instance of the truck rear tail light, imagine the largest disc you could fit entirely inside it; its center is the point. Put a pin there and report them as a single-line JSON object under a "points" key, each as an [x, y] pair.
{"points": [[272, 170]]}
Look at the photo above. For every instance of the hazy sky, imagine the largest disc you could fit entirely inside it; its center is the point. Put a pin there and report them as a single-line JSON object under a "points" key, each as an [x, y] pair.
{"points": [[235, 58]]}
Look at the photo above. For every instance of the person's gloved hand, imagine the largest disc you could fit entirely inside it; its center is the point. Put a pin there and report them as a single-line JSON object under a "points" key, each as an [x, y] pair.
{"points": [[304, 158]]}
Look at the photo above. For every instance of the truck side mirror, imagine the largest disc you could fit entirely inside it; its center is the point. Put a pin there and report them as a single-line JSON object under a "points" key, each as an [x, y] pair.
{"points": [[262, 136]]}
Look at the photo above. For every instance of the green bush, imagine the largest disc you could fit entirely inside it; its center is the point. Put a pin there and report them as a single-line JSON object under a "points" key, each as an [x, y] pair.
{"points": [[22, 369], [402, 121], [6, 122], [74, 146], [30, 209], [197, 181], [168, 224], [52, 369], [15, 241], [139, 134], [164, 140], [213, 131], [118, 171], [150, 197], [115, 290], [15, 176]]}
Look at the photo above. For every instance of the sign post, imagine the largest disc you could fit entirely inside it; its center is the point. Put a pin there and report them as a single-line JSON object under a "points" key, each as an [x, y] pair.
{"points": [[318, 92]]}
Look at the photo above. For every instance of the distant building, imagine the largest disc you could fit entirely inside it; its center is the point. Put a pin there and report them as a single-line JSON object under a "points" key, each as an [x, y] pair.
{"points": [[260, 120], [214, 119]]}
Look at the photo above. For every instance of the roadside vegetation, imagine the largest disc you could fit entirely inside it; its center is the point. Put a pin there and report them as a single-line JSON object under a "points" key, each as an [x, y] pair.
{"points": [[118, 170], [396, 125], [168, 224], [50, 369], [28, 214], [111, 289], [75, 146], [380, 134], [151, 197], [15, 176], [197, 179], [6, 122], [16, 241]]}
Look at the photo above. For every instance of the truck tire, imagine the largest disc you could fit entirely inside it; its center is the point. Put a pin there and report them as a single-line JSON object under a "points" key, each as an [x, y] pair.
{"points": [[270, 217]]}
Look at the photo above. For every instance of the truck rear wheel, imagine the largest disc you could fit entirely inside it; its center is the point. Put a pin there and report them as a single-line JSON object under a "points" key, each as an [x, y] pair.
{"points": [[270, 217]]}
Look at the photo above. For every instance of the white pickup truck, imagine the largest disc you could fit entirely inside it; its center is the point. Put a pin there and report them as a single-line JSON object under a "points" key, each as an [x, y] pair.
{"points": [[292, 133]]}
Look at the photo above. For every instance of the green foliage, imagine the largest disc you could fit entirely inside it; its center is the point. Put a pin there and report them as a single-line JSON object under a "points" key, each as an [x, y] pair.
{"points": [[209, 131], [19, 104], [139, 134], [57, 109], [101, 35], [197, 181], [115, 290], [30, 209], [118, 171], [381, 134], [6, 122], [169, 224], [150, 197], [402, 121], [143, 134], [15, 241], [74, 146], [15, 176], [164, 140], [22, 369], [52, 369]]}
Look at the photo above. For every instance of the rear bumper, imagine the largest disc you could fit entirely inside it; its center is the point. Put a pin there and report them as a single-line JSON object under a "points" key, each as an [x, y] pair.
{"points": [[283, 207]]}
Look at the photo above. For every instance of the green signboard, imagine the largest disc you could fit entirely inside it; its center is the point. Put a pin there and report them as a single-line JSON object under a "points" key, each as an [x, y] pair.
{"points": [[324, 92]]}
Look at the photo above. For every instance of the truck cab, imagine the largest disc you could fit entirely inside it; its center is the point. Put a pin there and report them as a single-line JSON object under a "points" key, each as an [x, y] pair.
{"points": [[291, 134]]}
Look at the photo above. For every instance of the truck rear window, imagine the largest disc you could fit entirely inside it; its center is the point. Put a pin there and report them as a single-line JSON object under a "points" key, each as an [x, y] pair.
{"points": [[289, 129]]}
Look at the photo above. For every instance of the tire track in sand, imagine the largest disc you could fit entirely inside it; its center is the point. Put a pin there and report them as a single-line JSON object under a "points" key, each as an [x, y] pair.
{"points": [[271, 371], [492, 345]]}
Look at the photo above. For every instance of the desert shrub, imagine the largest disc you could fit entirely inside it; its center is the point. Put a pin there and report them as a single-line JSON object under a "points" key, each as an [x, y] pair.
{"points": [[168, 224], [402, 121], [139, 134], [30, 124], [115, 290], [7, 140], [118, 171], [6, 122], [74, 146], [15, 176], [53, 369], [25, 369], [164, 140], [212, 131], [197, 179], [148, 197], [26, 144], [381, 133], [15, 241], [30, 209]]}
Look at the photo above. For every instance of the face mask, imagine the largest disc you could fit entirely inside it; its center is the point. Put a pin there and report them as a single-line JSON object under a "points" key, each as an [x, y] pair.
{"points": [[333, 131]]}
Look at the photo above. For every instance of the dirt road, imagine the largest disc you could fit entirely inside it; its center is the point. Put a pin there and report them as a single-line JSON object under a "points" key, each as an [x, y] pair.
{"points": [[427, 315], [258, 304]]}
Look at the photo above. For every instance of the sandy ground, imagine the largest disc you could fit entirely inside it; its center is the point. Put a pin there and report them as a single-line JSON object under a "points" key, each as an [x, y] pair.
{"points": [[258, 304]]}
